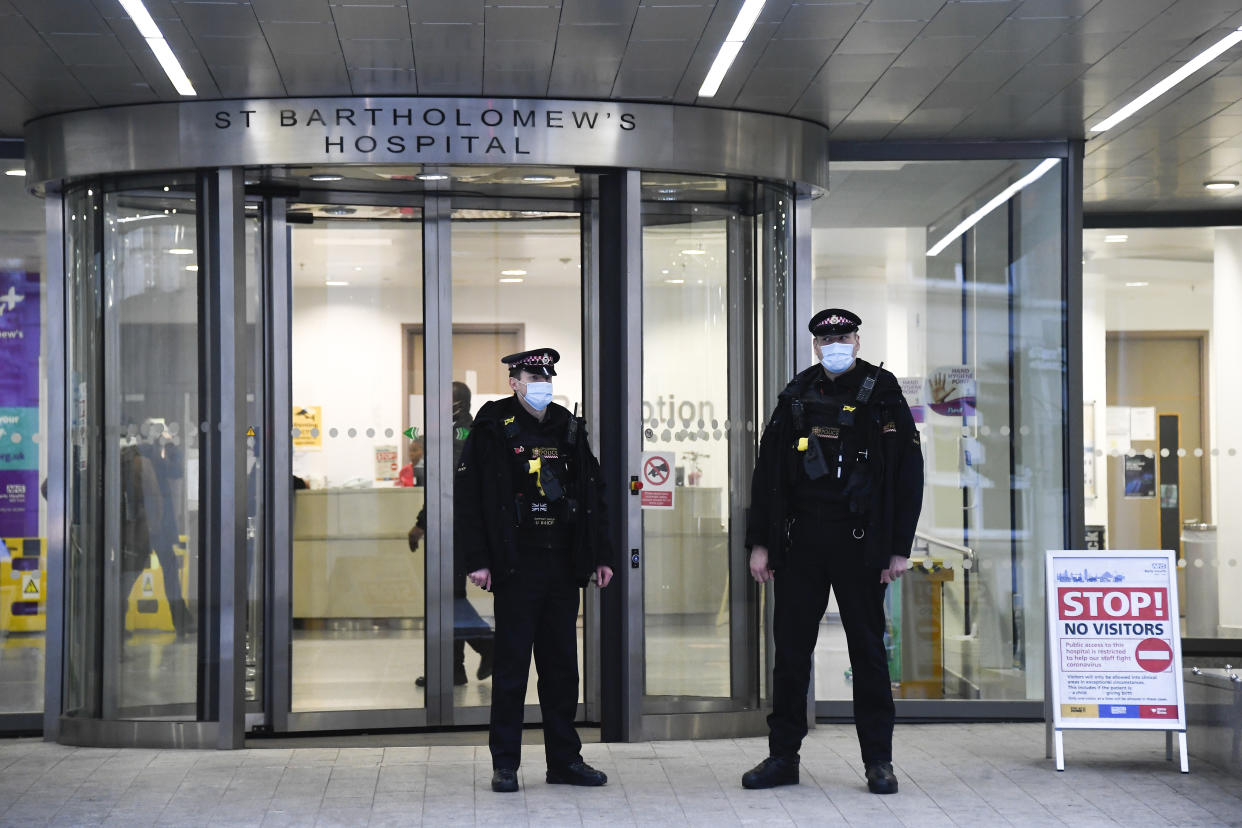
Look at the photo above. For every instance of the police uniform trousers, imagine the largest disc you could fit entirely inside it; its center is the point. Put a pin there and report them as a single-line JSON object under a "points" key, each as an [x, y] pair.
{"points": [[536, 609], [824, 555]]}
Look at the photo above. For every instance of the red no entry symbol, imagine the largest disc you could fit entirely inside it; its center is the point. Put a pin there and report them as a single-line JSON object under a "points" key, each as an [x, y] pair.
{"points": [[656, 470], [1154, 655]]}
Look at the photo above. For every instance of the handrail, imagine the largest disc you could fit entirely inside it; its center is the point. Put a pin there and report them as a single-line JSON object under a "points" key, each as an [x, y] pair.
{"points": [[966, 551]]}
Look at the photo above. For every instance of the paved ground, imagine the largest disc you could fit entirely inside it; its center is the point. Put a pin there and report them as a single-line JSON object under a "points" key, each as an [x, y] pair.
{"points": [[951, 774]]}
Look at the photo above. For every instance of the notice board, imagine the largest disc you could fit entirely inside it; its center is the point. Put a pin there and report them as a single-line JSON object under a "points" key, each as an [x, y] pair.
{"points": [[1115, 653]]}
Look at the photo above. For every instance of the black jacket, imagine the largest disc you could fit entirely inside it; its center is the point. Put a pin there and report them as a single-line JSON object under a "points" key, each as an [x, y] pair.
{"points": [[485, 519], [896, 501]]}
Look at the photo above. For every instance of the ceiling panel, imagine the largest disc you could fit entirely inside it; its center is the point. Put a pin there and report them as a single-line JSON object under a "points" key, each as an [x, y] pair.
{"points": [[883, 69], [680, 22], [355, 22], [292, 11], [394, 54]]}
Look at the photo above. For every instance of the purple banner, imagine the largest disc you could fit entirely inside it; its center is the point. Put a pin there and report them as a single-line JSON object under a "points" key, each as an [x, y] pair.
{"points": [[19, 503], [19, 404], [19, 339]]}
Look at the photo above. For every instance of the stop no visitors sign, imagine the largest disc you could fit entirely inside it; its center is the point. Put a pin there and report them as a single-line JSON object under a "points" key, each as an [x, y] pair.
{"points": [[1115, 656]]}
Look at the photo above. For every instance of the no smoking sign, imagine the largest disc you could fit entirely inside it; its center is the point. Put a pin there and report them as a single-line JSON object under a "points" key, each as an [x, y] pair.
{"points": [[657, 480]]}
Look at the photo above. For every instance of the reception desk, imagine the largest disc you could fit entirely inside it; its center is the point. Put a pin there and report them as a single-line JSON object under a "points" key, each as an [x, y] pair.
{"points": [[351, 557]]}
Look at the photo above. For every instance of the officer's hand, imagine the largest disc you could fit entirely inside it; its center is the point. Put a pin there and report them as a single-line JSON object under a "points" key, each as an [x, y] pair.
{"points": [[603, 576], [482, 578], [896, 565], [416, 535], [759, 565]]}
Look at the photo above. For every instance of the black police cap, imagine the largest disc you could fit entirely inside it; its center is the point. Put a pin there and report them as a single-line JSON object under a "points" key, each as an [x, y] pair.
{"points": [[833, 322], [537, 361]]}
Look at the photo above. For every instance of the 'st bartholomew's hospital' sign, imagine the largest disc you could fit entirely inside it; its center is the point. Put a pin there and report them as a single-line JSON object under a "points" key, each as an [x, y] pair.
{"points": [[414, 131], [427, 131]]}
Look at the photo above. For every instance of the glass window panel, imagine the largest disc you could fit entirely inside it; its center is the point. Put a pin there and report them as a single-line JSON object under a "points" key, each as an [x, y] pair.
{"points": [[975, 332], [358, 591], [1160, 448], [23, 452]]}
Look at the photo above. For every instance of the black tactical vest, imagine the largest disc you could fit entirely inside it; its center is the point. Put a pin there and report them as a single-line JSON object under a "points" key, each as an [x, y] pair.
{"points": [[834, 437], [543, 481]]}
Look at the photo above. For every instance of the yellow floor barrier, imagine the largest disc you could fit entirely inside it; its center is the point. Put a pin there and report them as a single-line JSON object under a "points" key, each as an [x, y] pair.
{"points": [[23, 585], [148, 601]]}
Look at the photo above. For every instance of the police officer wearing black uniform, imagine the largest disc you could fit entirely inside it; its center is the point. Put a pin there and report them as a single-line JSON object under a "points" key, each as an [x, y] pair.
{"points": [[835, 500], [530, 522]]}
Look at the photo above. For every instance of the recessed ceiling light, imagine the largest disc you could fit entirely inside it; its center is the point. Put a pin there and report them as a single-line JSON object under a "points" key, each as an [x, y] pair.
{"points": [[336, 283], [538, 179], [999, 199], [181, 251], [1220, 185], [358, 269], [742, 24], [1116, 238], [693, 251], [326, 177], [17, 171], [665, 272], [431, 177], [512, 280], [252, 206], [674, 281], [192, 268], [159, 47], [1137, 284], [514, 272], [1187, 69]]}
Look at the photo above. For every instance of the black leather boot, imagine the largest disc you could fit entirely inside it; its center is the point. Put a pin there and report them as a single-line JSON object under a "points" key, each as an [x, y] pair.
{"points": [[577, 773], [773, 771], [880, 778], [504, 780]]}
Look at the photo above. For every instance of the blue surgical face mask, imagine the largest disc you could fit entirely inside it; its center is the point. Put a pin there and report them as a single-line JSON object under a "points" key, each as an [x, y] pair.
{"points": [[538, 395], [837, 356]]}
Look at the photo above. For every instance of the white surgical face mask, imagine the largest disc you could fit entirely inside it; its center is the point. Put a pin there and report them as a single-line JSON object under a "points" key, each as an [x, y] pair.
{"points": [[538, 395], [837, 356]]}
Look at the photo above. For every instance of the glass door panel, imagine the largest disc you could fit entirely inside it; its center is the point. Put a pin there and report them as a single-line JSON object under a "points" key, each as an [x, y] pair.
{"points": [[152, 425], [699, 625], [358, 598], [517, 284]]}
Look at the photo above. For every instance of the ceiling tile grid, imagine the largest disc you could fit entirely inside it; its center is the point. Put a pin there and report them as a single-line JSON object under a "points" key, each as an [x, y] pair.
{"points": [[870, 69]]}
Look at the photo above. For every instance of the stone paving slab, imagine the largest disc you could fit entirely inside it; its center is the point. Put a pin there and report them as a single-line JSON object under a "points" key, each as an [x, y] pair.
{"points": [[950, 774]]}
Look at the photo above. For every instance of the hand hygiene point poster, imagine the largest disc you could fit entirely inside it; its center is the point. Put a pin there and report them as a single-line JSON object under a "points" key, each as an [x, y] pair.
{"points": [[1116, 655]]}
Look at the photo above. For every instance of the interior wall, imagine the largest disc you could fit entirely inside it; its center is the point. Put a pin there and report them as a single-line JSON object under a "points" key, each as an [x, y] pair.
{"points": [[333, 326]]}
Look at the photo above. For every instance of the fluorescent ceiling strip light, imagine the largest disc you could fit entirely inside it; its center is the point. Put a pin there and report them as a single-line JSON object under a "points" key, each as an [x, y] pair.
{"points": [[1001, 197], [1190, 67], [159, 47], [742, 24]]}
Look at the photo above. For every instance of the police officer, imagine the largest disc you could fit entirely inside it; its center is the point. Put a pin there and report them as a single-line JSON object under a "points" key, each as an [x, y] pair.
{"points": [[531, 526], [835, 499]]}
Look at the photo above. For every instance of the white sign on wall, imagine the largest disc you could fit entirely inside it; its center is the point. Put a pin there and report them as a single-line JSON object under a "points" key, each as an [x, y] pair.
{"points": [[1115, 646]]}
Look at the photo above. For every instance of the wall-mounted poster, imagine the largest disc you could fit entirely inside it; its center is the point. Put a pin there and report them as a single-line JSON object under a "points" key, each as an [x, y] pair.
{"points": [[19, 404], [1140, 476], [912, 390], [951, 390], [307, 428]]}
